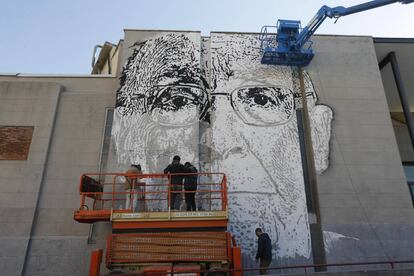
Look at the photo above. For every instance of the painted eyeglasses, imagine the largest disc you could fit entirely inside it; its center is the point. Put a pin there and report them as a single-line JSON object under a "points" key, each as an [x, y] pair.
{"points": [[176, 105], [183, 105], [261, 105]]}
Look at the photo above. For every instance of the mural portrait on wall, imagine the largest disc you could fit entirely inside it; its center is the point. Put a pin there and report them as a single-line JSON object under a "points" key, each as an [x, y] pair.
{"points": [[251, 133], [159, 102], [255, 142]]}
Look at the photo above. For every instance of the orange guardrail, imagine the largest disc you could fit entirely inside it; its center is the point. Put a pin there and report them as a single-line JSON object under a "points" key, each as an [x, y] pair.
{"points": [[105, 194]]}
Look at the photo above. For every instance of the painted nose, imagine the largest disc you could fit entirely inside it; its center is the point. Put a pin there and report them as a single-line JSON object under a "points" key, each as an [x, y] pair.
{"points": [[226, 138]]}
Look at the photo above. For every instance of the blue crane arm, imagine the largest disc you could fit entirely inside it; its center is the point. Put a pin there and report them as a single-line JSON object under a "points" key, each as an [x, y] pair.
{"points": [[337, 12]]}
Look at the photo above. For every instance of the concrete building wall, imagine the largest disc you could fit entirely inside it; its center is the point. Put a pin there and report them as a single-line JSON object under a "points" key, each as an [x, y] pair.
{"points": [[365, 203], [366, 208], [59, 244], [112, 66], [23, 104]]}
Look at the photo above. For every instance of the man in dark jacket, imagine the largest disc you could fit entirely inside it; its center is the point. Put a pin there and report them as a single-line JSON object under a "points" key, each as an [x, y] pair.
{"points": [[176, 181], [190, 186], [264, 250]]}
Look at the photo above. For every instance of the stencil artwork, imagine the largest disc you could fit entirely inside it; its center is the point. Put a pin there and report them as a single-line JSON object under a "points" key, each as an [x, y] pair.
{"points": [[210, 101], [255, 142], [159, 102]]}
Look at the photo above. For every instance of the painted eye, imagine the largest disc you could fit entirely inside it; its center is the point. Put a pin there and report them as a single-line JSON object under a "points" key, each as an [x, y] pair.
{"points": [[179, 101], [174, 105], [173, 98], [263, 105], [261, 99]]}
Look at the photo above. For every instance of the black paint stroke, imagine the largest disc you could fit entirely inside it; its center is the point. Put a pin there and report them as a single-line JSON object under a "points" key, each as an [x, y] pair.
{"points": [[162, 73]]}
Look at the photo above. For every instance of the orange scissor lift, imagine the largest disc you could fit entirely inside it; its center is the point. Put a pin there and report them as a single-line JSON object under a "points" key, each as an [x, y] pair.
{"points": [[150, 237]]}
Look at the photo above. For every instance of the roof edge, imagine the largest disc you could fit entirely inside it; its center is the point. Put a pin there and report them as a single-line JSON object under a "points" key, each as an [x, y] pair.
{"points": [[393, 40]]}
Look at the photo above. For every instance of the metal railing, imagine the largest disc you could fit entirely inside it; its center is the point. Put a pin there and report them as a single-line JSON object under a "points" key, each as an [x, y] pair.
{"points": [[150, 192], [311, 268], [306, 269]]}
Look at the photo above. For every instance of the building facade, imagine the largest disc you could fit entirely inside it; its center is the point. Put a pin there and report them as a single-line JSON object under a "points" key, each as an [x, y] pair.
{"points": [[209, 100]]}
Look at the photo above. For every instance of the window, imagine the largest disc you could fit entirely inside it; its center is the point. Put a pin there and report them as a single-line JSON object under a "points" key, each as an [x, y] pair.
{"points": [[409, 174]]}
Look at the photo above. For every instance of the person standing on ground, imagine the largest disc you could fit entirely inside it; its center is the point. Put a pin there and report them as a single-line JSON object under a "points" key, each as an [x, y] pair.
{"points": [[190, 186], [176, 181], [264, 250], [131, 186]]}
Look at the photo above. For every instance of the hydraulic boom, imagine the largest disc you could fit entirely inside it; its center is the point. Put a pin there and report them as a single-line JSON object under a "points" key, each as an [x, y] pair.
{"points": [[292, 46]]}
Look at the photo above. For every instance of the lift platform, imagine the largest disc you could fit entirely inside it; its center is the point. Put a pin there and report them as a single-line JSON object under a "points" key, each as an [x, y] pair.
{"points": [[103, 198], [149, 237], [276, 44], [289, 44]]}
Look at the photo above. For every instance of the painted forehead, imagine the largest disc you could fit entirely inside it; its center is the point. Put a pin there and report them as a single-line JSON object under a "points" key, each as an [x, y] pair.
{"points": [[168, 60], [235, 60]]}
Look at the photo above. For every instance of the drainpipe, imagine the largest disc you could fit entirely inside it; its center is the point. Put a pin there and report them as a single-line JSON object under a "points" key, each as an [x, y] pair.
{"points": [[309, 176]]}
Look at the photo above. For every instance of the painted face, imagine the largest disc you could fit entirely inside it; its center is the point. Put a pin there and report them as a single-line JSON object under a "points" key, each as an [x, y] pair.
{"points": [[255, 142], [159, 102], [252, 135]]}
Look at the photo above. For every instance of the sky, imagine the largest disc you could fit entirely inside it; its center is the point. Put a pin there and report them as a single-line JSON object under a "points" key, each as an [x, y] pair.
{"points": [[57, 36]]}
